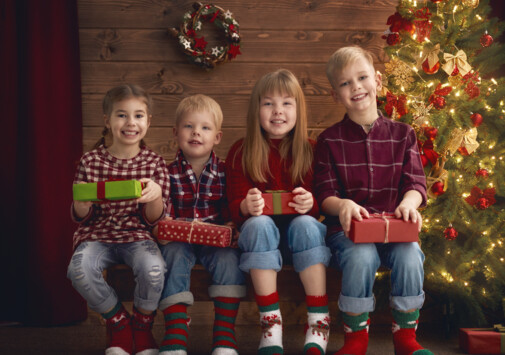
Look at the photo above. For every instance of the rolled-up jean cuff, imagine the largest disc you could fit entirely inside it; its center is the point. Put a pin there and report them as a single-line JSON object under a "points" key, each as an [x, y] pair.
{"points": [[356, 304], [406, 303], [306, 258], [264, 260], [106, 305], [185, 297], [237, 291]]}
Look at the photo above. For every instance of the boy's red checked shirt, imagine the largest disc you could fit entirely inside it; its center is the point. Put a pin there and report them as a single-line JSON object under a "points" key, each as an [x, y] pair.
{"points": [[118, 221], [374, 170], [202, 199]]}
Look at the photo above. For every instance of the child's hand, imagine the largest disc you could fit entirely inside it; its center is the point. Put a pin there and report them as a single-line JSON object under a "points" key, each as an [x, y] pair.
{"points": [[81, 208], [253, 203], [349, 210], [407, 210], [303, 201], [151, 191], [155, 233]]}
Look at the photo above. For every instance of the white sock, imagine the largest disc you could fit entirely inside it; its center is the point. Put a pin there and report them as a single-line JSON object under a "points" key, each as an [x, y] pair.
{"points": [[271, 326], [318, 329], [224, 351]]}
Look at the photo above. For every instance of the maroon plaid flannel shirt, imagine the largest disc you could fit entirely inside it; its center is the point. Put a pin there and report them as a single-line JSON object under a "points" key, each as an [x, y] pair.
{"points": [[374, 170], [202, 199], [119, 221]]}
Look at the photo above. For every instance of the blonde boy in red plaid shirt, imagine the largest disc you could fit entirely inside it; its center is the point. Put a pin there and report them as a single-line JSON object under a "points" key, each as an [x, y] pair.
{"points": [[197, 192]]}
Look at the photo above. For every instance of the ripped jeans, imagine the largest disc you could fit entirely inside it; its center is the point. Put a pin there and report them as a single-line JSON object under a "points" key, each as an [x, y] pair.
{"points": [[91, 258]]}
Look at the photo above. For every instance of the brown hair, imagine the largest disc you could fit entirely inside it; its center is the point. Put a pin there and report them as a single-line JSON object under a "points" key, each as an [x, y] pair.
{"points": [[295, 145], [343, 57], [117, 94]]}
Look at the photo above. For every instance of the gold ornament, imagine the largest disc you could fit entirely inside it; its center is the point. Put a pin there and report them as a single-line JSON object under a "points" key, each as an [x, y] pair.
{"points": [[458, 60], [420, 113], [470, 3], [401, 73], [455, 80]]}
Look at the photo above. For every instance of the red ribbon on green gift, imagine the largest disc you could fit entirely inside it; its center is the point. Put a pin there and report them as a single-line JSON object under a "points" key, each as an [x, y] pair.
{"points": [[100, 188]]}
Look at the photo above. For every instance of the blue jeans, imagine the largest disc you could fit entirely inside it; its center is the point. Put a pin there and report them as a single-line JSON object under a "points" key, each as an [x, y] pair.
{"points": [[359, 263], [221, 263], [260, 238], [90, 259]]}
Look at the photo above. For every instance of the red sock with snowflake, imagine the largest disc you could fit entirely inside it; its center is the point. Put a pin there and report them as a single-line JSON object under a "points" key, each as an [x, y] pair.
{"points": [[271, 325], [356, 334], [404, 334], [119, 331], [317, 329]]}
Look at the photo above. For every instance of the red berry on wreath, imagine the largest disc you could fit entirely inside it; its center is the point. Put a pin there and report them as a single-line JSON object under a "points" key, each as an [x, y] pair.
{"points": [[437, 188], [450, 233], [428, 70], [486, 40], [482, 173], [482, 203], [476, 119]]}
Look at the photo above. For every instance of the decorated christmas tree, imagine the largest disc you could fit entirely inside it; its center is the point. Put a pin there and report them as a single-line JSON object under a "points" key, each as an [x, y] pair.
{"points": [[439, 79]]}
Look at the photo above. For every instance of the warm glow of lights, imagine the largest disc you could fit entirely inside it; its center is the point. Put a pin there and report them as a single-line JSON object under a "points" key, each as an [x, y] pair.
{"points": [[465, 194], [473, 261], [421, 54], [494, 81], [484, 233], [458, 93], [430, 84], [491, 146], [490, 184], [493, 157], [414, 36], [452, 110], [480, 18], [455, 8], [501, 259], [415, 69], [437, 220], [466, 283]]}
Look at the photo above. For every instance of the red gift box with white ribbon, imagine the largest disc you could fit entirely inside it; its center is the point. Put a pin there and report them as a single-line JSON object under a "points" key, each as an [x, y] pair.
{"points": [[195, 232], [383, 228]]}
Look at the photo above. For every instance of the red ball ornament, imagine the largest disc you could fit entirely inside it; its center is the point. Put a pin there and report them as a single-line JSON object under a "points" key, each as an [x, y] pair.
{"points": [[486, 40], [450, 233], [476, 119], [455, 71], [482, 203], [463, 151], [439, 102], [430, 132], [428, 70], [437, 188], [482, 173]]}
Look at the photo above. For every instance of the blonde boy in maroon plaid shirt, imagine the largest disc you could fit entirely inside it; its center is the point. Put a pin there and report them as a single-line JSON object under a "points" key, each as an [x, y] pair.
{"points": [[115, 232], [369, 163]]}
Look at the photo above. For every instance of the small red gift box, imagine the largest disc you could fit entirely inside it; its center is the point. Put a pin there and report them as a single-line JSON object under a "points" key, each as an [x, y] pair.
{"points": [[482, 340], [195, 232], [383, 228], [276, 202]]}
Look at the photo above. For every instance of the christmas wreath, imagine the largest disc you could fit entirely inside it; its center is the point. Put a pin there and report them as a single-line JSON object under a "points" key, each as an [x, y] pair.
{"points": [[196, 47]]}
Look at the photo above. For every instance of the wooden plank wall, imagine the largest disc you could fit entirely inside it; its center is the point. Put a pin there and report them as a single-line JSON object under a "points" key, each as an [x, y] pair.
{"points": [[128, 41]]}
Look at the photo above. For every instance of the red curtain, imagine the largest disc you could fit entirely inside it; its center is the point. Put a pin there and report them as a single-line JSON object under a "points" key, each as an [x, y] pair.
{"points": [[41, 143]]}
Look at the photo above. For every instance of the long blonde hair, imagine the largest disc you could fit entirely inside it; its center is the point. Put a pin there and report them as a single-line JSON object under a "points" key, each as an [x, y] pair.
{"points": [[256, 145]]}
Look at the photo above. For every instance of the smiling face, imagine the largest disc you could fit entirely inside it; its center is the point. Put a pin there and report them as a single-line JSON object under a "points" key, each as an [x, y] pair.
{"points": [[128, 123], [197, 134], [356, 88], [277, 115]]}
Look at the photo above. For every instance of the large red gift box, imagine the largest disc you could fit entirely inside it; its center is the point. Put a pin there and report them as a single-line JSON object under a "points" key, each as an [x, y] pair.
{"points": [[276, 202], [195, 232], [482, 340], [383, 228]]}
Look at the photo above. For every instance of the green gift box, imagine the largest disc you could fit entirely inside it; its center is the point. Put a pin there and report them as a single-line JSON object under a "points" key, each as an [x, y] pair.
{"points": [[107, 190]]}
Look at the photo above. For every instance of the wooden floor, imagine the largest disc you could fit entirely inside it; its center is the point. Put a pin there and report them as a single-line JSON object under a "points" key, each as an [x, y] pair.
{"points": [[88, 338]]}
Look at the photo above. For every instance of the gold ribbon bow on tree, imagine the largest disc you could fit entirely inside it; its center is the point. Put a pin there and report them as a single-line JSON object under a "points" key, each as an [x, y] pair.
{"points": [[456, 61], [462, 138], [431, 56], [437, 173]]}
